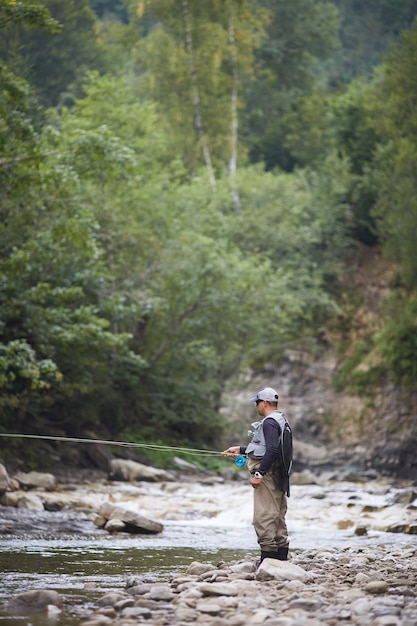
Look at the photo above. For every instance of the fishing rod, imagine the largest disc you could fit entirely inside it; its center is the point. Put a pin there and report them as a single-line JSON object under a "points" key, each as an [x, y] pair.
{"points": [[125, 444]]}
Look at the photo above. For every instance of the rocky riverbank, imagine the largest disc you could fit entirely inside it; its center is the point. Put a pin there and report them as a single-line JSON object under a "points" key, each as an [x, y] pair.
{"points": [[360, 585]]}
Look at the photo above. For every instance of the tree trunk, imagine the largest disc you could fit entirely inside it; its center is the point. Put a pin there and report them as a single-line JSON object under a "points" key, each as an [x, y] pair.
{"points": [[234, 116], [198, 119]]}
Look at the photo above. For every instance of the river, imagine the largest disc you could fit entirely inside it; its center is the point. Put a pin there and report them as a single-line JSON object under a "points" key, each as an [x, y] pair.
{"points": [[202, 522]]}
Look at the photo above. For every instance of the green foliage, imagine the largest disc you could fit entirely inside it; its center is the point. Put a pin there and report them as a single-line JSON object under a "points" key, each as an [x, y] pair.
{"points": [[26, 13], [367, 30], [355, 374], [398, 339], [187, 62], [392, 174], [60, 357], [53, 60], [299, 36]]}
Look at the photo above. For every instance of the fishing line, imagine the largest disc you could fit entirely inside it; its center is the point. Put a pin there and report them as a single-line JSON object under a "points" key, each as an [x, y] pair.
{"points": [[125, 444]]}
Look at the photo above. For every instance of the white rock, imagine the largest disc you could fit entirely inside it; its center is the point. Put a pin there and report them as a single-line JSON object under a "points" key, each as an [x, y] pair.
{"points": [[219, 589], [30, 501], [131, 519], [362, 606], [115, 526], [36, 480], [209, 606], [361, 578], [273, 569], [122, 469], [196, 568], [242, 568]]}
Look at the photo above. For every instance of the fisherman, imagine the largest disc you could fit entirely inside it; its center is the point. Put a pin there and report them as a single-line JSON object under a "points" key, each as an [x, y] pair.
{"points": [[269, 467]]}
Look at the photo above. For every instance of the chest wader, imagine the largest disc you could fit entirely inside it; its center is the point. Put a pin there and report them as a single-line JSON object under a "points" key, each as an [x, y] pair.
{"points": [[270, 504]]}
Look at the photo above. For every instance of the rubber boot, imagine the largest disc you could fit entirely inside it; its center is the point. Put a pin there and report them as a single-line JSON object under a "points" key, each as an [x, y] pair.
{"points": [[265, 555], [282, 554]]}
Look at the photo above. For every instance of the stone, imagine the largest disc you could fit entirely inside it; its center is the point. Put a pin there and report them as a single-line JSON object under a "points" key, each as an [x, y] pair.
{"points": [[245, 567], [30, 501], [273, 569], [306, 477], [161, 593], [306, 604], [134, 522], [110, 598], [131, 471], [123, 603], [4, 479], [219, 589], [184, 614], [9, 499], [361, 578], [376, 586], [101, 455], [137, 612], [38, 480], [208, 606], [115, 526], [196, 568], [34, 601]]}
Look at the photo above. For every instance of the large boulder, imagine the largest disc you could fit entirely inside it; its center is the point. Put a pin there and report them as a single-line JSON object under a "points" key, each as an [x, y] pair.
{"points": [[36, 480], [134, 522], [124, 469]]}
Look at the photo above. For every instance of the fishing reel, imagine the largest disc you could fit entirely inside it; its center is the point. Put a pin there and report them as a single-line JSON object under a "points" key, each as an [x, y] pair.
{"points": [[240, 460]]}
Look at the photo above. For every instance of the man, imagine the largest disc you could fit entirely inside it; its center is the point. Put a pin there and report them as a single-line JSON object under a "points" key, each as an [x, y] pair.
{"points": [[270, 470]]}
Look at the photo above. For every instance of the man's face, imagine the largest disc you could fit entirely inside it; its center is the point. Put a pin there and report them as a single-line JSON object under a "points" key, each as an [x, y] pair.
{"points": [[260, 406]]}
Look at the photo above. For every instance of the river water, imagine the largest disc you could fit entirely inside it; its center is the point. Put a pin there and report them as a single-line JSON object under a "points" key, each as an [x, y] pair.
{"points": [[202, 522]]}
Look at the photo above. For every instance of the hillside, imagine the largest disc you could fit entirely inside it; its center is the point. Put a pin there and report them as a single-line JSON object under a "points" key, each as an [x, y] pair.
{"points": [[341, 411]]}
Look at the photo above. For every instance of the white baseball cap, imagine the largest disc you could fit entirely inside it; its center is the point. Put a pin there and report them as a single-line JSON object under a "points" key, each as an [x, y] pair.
{"points": [[267, 393]]}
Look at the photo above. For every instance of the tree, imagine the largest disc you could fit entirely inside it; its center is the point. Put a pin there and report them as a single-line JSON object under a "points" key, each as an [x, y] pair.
{"points": [[300, 35], [192, 64], [54, 61], [60, 361], [394, 167]]}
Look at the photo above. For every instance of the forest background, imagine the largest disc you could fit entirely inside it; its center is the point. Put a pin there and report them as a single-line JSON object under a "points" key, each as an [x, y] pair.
{"points": [[185, 189]]}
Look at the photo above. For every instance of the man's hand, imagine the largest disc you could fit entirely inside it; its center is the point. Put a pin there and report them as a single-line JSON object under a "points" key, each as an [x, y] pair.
{"points": [[256, 482], [233, 452]]}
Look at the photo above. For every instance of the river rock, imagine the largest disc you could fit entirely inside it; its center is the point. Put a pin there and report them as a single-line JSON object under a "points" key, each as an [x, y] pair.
{"points": [[376, 586], [32, 601], [131, 471], [196, 568], [36, 480], [332, 593], [30, 501], [134, 522], [111, 598], [273, 569], [115, 526], [306, 477], [100, 455], [4, 479]]}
